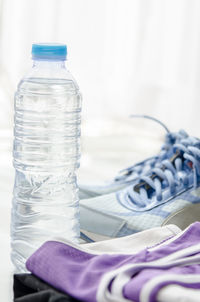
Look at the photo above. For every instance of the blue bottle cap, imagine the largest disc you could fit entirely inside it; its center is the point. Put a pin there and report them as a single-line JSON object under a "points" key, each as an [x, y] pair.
{"points": [[49, 51]]}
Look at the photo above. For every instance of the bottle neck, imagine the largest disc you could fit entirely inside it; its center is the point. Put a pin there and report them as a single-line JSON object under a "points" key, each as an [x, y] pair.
{"points": [[44, 64]]}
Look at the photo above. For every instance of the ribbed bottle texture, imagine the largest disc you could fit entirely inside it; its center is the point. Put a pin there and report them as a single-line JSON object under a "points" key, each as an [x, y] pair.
{"points": [[46, 155]]}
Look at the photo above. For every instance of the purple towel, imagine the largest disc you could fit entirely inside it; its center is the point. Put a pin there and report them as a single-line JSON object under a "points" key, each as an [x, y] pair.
{"points": [[138, 277]]}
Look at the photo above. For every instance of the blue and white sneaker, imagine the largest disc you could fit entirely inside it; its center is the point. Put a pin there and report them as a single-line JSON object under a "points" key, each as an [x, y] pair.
{"points": [[171, 186], [130, 174]]}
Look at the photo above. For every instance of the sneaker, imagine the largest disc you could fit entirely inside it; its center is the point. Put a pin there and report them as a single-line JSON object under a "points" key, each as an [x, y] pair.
{"points": [[130, 174], [171, 186]]}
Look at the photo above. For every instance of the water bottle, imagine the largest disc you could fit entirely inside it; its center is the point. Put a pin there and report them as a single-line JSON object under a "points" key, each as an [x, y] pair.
{"points": [[46, 154]]}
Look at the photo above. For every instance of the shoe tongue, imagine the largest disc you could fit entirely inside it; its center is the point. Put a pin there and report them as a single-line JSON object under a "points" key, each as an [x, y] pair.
{"points": [[188, 165], [174, 137]]}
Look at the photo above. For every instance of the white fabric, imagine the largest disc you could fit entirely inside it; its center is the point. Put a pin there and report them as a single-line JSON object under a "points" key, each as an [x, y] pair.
{"points": [[129, 244], [174, 293], [165, 294], [136, 242]]}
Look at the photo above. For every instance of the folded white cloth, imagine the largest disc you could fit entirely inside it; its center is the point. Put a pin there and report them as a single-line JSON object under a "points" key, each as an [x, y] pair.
{"points": [[136, 242], [174, 293]]}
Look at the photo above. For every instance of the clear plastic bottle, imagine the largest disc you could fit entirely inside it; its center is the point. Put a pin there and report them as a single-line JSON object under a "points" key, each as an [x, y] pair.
{"points": [[46, 154]]}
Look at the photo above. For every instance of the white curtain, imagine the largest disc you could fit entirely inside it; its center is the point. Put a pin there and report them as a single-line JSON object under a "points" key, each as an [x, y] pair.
{"points": [[128, 56]]}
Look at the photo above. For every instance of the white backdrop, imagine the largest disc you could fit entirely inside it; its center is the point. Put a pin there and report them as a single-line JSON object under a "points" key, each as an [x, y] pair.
{"points": [[128, 56]]}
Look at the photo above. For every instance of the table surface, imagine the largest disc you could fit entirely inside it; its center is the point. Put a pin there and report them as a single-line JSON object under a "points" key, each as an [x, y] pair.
{"points": [[102, 157]]}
